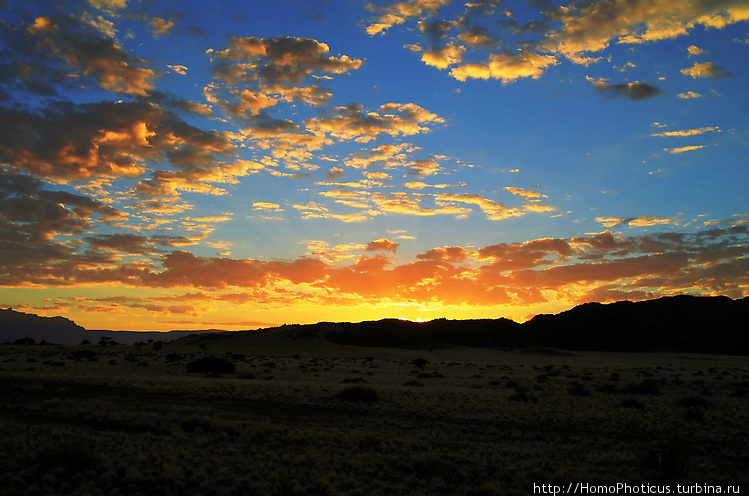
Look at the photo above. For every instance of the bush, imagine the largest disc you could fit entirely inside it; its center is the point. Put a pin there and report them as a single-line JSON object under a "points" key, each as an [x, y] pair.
{"points": [[693, 402], [519, 397], [420, 362], [359, 394], [647, 386], [607, 389], [211, 364], [84, 354], [577, 389], [631, 403]]}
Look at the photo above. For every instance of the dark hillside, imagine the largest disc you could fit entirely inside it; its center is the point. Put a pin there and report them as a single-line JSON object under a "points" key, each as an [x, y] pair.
{"points": [[679, 323], [16, 325]]}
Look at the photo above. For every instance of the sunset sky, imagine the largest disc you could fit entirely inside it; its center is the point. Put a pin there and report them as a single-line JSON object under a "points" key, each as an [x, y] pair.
{"points": [[235, 165]]}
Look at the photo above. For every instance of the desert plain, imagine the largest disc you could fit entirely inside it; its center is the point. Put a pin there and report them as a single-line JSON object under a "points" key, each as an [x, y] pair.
{"points": [[310, 417]]}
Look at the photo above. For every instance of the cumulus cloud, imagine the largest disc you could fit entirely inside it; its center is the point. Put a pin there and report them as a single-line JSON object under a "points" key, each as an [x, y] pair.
{"points": [[508, 273], [352, 122], [107, 139], [89, 54], [506, 67], [706, 70], [399, 12], [253, 73], [689, 95], [382, 244], [502, 46], [159, 26]]}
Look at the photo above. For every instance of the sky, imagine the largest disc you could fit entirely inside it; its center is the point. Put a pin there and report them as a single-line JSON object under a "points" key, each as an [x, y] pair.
{"points": [[238, 165]]}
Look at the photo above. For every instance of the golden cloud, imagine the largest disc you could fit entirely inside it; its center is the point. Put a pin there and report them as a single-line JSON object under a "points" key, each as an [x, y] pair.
{"points": [[689, 132], [506, 67], [354, 123], [683, 149], [399, 12], [705, 70]]}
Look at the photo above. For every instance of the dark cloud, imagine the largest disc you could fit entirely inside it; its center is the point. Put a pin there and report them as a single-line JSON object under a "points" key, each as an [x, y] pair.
{"points": [[31, 220], [629, 91], [436, 31], [105, 139], [88, 53]]}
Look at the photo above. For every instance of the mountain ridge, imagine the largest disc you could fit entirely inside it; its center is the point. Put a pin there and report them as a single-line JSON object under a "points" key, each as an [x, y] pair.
{"points": [[696, 324]]}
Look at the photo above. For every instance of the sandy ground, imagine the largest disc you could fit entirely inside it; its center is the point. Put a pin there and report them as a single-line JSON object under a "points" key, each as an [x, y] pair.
{"points": [[455, 421]]}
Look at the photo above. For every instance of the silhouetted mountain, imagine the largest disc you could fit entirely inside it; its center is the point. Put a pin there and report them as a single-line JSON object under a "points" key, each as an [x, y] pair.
{"points": [[678, 323], [59, 330], [16, 325]]}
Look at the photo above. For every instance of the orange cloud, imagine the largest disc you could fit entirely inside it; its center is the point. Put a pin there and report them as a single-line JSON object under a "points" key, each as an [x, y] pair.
{"points": [[382, 244], [510, 273]]}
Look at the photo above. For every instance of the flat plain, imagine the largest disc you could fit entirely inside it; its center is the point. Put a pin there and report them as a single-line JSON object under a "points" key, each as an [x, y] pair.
{"points": [[306, 417]]}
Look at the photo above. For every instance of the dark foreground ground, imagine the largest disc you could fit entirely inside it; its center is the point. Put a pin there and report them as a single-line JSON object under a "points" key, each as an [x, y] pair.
{"points": [[122, 421]]}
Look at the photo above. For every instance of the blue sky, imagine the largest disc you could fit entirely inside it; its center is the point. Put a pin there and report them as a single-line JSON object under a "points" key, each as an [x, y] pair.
{"points": [[239, 165]]}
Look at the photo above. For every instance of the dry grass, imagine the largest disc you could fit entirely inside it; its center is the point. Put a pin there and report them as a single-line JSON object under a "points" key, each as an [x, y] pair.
{"points": [[116, 420]]}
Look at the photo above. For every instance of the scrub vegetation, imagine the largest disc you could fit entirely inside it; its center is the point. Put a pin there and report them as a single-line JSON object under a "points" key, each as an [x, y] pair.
{"points": [[185, 420]]}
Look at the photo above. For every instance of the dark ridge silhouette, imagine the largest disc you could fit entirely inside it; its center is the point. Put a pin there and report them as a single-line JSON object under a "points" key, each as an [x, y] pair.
{"points": [[15, 326], [677, 323], [18, 325], [716, 325]]}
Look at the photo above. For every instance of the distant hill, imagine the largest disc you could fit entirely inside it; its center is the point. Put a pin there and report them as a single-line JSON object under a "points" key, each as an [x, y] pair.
{"points": [[59, 330], [718, 325], [677, 323], [692, 324]]}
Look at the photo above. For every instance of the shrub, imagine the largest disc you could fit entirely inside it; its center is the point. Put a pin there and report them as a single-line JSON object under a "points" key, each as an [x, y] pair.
{"points": [[516, 386], [631, 403], [84, 354], [420, 362], [354, 380], [577, 389], [71, 456], [211, 364], [173, 357], [359, 394], [413, 384], [693, 402], [607, 389], [519, 397], [694, 414], [647, 386]]}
